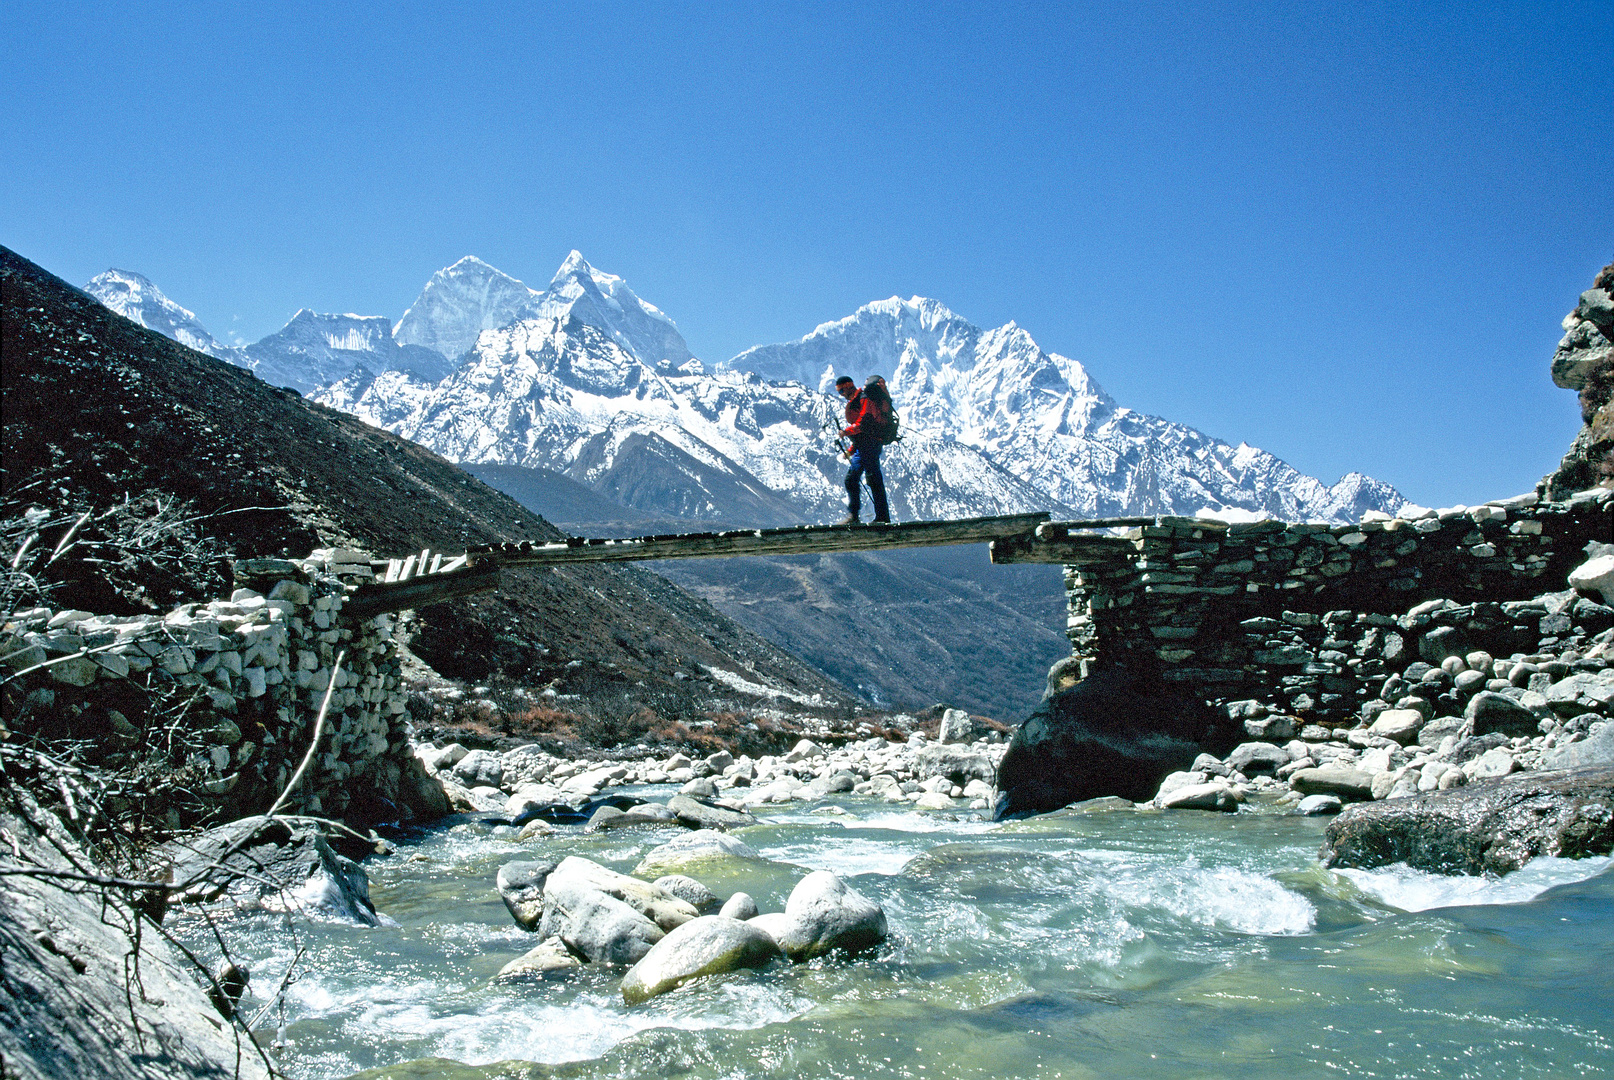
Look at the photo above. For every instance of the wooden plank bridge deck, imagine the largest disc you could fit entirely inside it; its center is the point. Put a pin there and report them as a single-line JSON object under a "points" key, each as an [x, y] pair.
{"points": [[428, 577]]}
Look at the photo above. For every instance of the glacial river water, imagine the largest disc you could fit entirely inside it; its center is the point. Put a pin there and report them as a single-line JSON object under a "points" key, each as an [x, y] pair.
{"points": [[1097, 942]]}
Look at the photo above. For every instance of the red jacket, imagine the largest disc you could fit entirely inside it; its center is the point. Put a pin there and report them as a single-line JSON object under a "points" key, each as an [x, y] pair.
{"points": [[860, 411]]}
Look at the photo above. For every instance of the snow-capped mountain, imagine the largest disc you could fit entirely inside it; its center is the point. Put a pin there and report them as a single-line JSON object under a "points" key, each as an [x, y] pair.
{"points": [[311, 350], [461, 301], [589, 380], [993, 424], [1040, 417], [566, 393], [134, 297], [605, 302], [314, 349]]}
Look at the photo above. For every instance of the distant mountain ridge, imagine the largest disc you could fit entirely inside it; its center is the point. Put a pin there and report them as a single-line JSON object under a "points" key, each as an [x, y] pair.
{"points": [[588, 380], [137, 299]]}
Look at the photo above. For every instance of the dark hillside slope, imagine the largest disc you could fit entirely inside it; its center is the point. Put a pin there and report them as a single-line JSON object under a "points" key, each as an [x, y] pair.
{"points": [[99, 411]]}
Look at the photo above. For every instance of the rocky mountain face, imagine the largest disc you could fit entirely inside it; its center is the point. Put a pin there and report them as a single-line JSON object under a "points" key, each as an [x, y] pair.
{"points": [[1584, 361], [137, 299], [458, 303], [604, 301]]}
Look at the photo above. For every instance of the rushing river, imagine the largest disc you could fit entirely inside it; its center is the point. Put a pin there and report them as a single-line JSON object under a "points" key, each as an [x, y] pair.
{"points": [[1098, 942]]}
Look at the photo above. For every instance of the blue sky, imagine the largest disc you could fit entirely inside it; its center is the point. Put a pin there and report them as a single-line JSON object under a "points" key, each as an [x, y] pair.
{"points": [[1345, 233]]}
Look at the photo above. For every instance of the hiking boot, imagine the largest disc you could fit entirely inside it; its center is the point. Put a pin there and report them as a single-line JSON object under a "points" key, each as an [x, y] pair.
{"points": [[882, 521], [849, 519]]}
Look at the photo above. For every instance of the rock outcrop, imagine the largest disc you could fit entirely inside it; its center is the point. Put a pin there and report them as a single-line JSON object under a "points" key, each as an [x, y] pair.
{"points": [[1584, 362], [67, 1007], [274, 864], [1492, 827], [1113, 733]]}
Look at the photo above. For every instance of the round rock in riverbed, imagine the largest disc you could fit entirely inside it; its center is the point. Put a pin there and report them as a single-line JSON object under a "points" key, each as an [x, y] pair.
{"points": [[1351, 785], [1489, 712], [1401, 725], [823, 915], [598, 927], [521, 887], [693, 849], [1318, 805], [709, 945], [1201, 797], [740, 906], [658, 905], [1252, 758]]}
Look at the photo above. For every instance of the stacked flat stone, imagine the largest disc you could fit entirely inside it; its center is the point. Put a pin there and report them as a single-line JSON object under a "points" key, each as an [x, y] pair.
{"points": [[1454, 707], [264, 659], [1236, 610]]}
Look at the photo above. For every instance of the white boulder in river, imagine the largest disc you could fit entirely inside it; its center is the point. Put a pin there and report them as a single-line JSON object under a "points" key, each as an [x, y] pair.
{"points": [[688, 890], [548, 958], [653, 902], [521, 887], [606, 917], [822, 915], [708, 945], [600, 928], [740, 906]]}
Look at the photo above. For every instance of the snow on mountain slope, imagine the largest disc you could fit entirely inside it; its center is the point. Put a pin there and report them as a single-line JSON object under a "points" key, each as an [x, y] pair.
{"points": [[314, 349], [562, 395], [1040, 417], [134, 297], [605, 302], [461, 301]]}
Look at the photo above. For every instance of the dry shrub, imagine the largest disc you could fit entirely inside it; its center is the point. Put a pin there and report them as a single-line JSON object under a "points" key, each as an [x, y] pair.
{"points": [[537, 721]]}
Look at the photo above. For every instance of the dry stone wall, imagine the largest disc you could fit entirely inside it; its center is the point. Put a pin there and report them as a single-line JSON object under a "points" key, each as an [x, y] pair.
{"points": [[1315, 619], [244, 679]]}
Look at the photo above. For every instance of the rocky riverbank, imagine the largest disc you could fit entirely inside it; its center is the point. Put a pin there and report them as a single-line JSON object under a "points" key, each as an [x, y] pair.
{"points": [[953, 771]]}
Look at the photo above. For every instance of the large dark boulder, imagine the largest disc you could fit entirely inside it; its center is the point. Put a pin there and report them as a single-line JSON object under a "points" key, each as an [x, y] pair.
{"points": [[276, 863], [1489, 827], [1113, 733]]}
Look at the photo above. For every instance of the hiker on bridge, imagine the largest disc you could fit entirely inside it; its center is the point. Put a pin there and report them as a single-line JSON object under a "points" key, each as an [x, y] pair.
{"points": [[870, 424]]}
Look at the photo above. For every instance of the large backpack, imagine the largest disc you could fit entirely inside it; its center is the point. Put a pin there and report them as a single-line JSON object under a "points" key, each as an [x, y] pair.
{"points": [[874, 389]]}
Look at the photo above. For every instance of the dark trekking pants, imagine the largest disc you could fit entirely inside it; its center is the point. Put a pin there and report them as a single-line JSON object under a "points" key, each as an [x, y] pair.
{"points": [[865, 462]]}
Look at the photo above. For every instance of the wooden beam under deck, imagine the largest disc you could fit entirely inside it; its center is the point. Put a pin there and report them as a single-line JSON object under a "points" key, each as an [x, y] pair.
{"points": [[798, 540]]}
